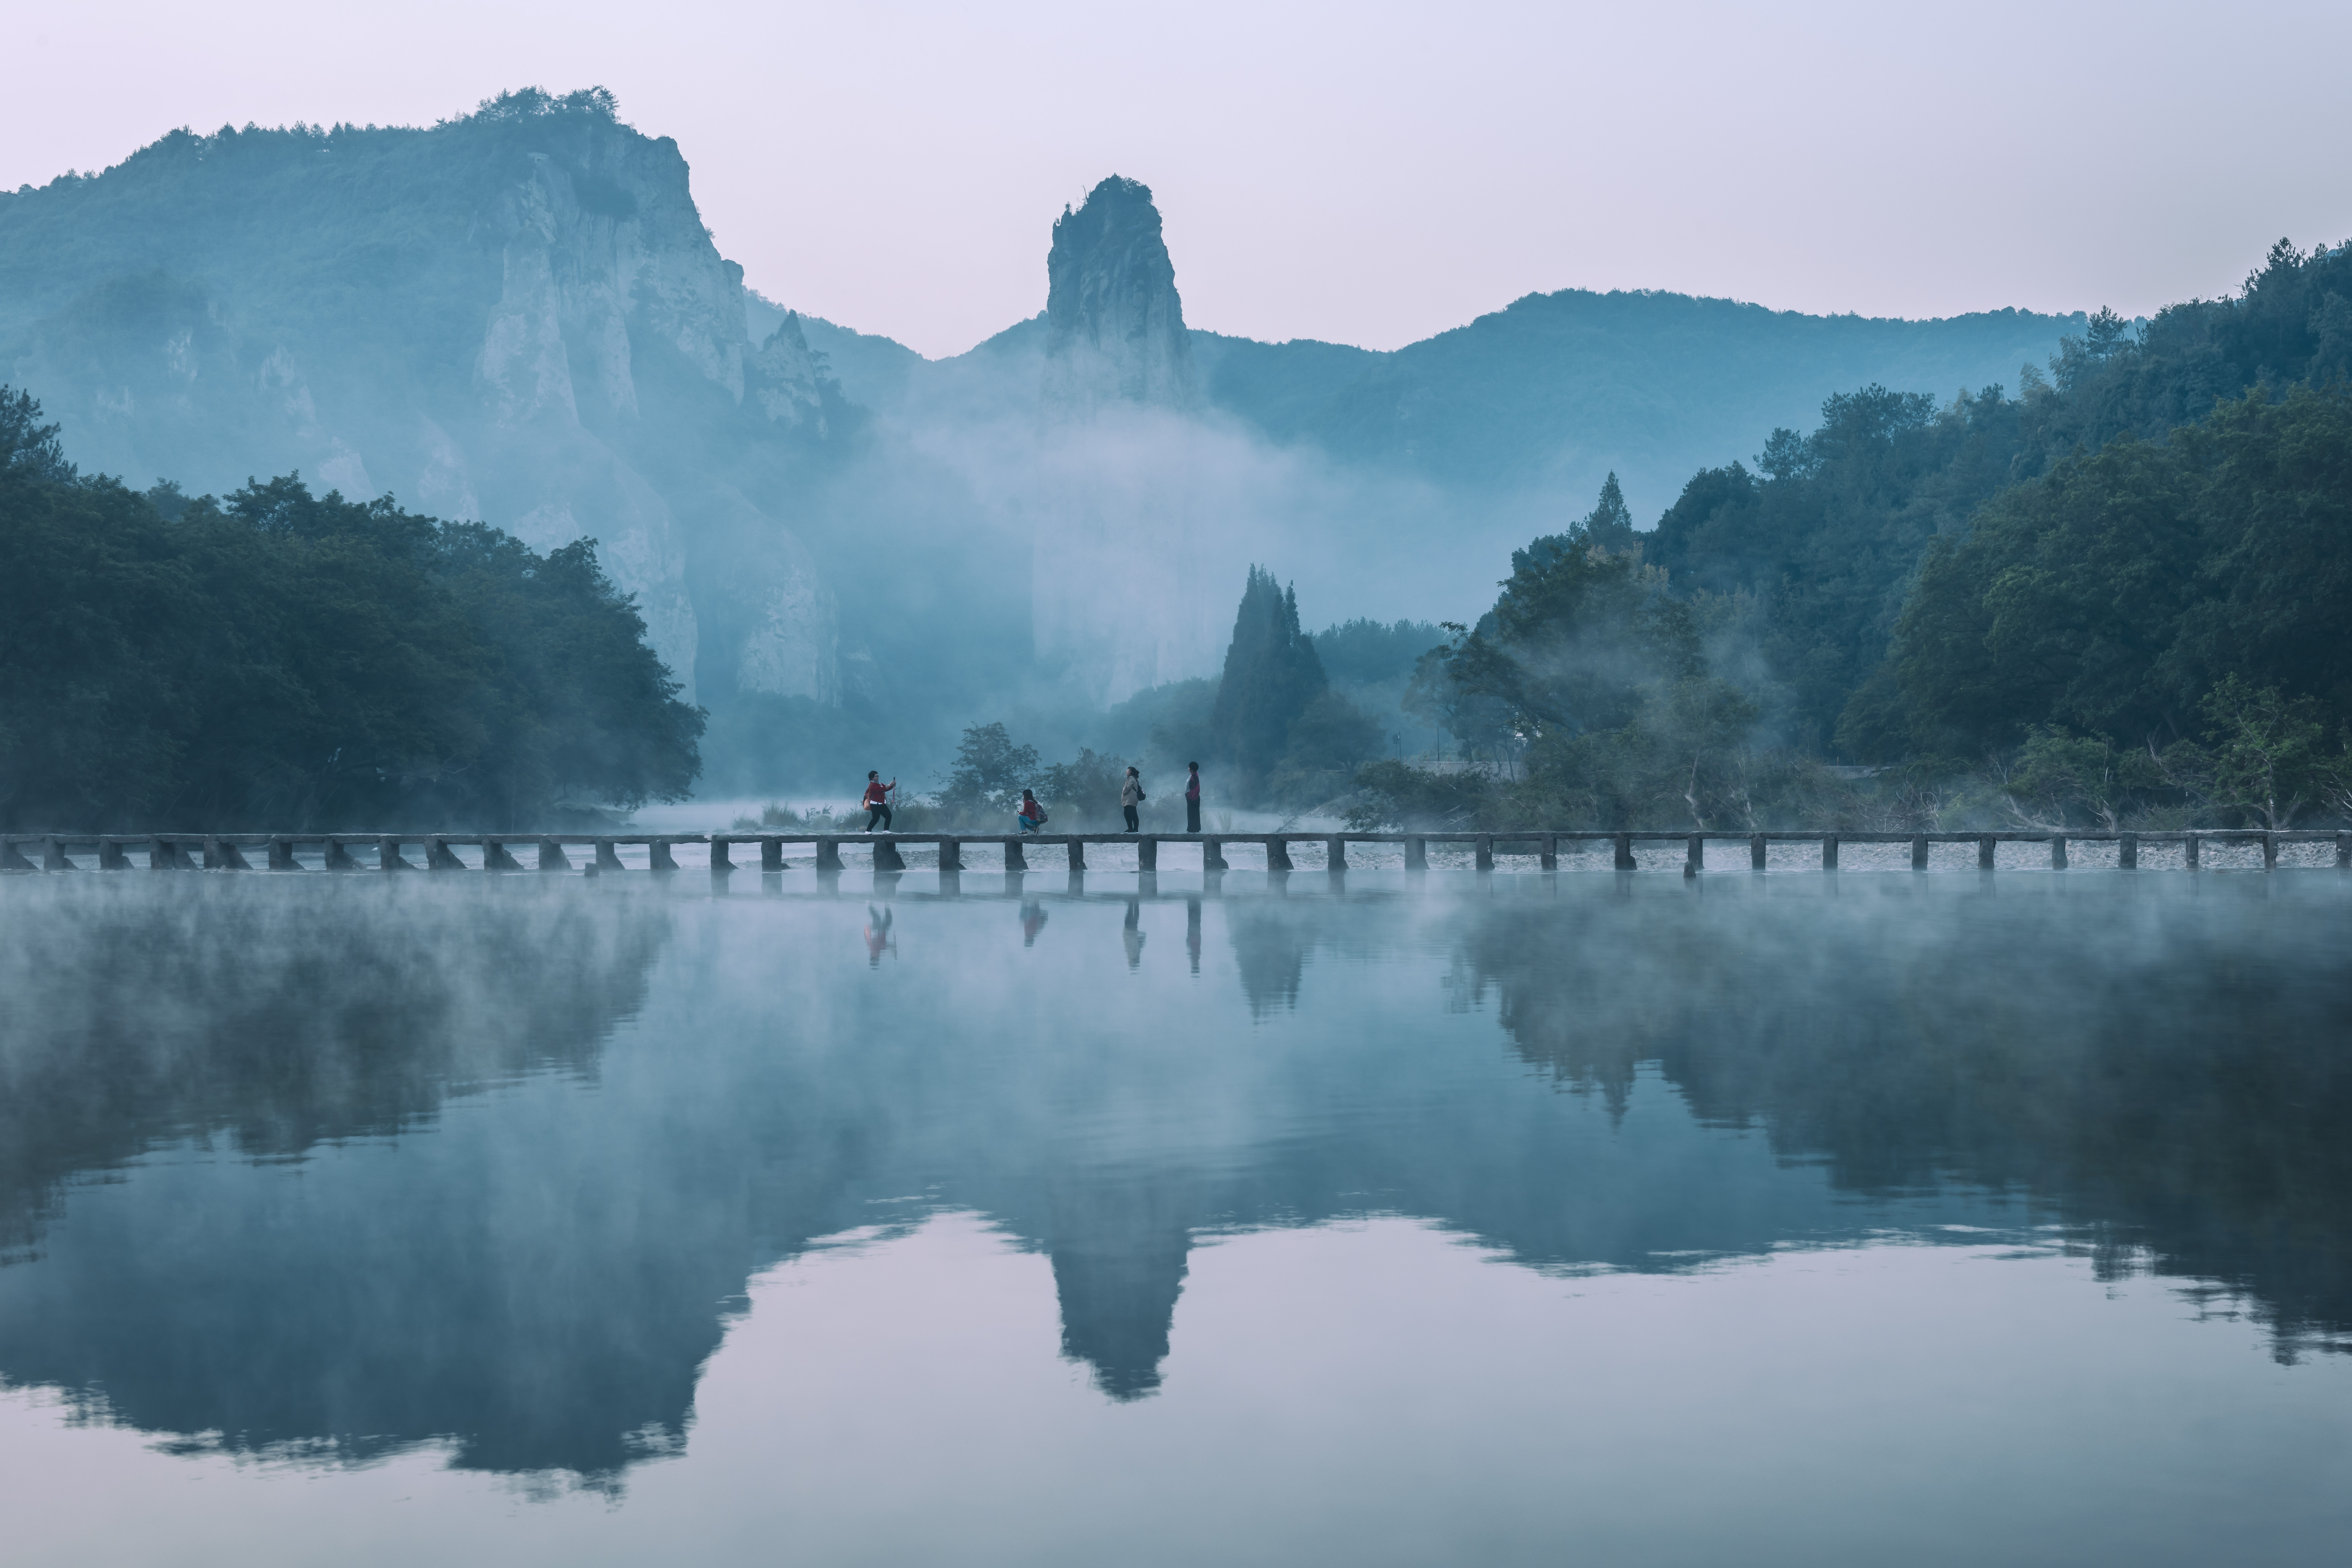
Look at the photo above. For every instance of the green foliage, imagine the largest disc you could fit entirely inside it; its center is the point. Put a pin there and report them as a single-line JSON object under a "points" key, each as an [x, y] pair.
{"points": [[989, 773], [1083, 792], [2265, 758], [1271, 675], [286, 659], [1370, 653], [1329, 741], [2114, 594]]}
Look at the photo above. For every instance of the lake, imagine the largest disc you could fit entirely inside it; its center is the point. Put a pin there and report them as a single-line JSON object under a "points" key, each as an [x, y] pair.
{"points": [[1787, 1218]]}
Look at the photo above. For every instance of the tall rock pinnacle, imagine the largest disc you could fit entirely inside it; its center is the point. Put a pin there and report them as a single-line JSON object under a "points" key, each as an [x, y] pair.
{"points": [[1114, 325]]}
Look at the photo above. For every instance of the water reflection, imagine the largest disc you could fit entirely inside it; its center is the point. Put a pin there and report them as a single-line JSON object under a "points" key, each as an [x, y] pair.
{"points": [[243, 1208]]}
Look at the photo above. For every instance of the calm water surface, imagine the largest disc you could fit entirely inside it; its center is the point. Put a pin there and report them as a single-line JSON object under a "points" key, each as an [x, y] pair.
{"points": [[1795, 1218]]}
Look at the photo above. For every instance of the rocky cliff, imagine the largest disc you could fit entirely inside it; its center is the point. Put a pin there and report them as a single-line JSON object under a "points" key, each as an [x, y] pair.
{"points": [[518, 316], [1114, 325]]}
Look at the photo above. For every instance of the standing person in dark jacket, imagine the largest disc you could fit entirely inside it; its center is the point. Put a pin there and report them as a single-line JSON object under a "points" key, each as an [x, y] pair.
{"points": [[1192, 799], [877, 802], [1130, 795]]}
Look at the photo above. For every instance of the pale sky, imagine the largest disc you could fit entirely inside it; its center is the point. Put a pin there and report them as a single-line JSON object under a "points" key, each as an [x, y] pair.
{"points": [[1368, 173]]}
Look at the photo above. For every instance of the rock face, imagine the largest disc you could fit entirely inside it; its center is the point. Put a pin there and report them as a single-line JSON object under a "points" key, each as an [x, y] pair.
{"points": [[1119, 597], [517, 317], [1114, 325]]}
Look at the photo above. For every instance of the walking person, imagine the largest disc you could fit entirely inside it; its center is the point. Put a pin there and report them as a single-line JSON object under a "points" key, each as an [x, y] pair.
{"points": [[1192, 798], [877, 802], [1031, 816], [1130, 795]]}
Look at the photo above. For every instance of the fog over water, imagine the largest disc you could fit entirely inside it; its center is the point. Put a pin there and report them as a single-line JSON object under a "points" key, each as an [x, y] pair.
{"points": [[1864, 1216]]}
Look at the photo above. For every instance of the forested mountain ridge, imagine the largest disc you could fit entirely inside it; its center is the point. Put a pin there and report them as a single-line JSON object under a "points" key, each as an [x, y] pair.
{"points": [[2123, 597], [516, 315]]}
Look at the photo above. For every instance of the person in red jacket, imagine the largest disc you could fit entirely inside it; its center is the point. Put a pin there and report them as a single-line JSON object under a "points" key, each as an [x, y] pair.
{"points": [[877, 802]]}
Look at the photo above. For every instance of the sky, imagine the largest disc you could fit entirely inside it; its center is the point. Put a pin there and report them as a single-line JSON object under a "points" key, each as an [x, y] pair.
{"points": [[1369, 172]]}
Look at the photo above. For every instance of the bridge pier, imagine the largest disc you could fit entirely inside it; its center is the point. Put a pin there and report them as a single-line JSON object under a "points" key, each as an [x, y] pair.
{"points": [[608, 859], [552, 857], [11, 860], [1213, 854], [1078, 856], [496, 858], [1481, 854], [2057, 852], [658, 857], [53, 857], [111, 856], [2128, 852], [719, 859], [1919, 852], [771, 855], [950, 856], [387, 855], [828, 856], [1757, 852], [1547, 852], [281, 856], [2344, 851], [1695, 859], [1416, 854], [1985, 852], [1015, 857], [1829, 852], [2270, 851], [1335, 854], [439, 857], [339, 856], [1147, 856], [2189, 851], [1278, 854], [1624, 852]]}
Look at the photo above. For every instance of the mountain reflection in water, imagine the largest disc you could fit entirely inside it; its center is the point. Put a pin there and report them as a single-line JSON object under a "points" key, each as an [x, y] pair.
{"points": [[324, 1168]]}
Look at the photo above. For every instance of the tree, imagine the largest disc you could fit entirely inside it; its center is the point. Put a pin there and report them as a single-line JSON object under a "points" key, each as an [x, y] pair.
{"points": [[1271, 674], [990, 771]]}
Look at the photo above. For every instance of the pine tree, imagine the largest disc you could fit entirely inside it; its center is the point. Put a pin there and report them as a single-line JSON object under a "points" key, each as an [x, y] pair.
{"points": [[1272, 673], [1611, 526]]}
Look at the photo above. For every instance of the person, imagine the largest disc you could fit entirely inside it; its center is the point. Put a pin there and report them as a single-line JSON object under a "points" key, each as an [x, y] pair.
{"points": [[1192, 799], [877, 801], [1130, 795], [1031, 816]]}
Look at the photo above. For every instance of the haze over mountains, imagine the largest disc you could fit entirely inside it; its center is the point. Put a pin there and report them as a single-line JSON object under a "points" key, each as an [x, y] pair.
{"points": [[519, 316]]}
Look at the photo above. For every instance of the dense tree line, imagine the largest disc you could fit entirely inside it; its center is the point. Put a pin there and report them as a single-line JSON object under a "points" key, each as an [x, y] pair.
{"points": [[281, 659], [2120, 596]]}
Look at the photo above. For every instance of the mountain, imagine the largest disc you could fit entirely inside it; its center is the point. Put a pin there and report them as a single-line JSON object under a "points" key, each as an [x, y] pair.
{"points": [[839, 545], [517, 316]]}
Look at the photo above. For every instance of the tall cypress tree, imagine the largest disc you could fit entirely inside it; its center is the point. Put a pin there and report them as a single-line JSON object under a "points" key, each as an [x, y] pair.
{"points": [[1272, 673]]}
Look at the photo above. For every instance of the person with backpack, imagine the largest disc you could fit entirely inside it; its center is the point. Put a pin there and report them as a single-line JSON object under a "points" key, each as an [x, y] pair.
{"points": [[1130, 795], [1031, 816], [877, 802]]}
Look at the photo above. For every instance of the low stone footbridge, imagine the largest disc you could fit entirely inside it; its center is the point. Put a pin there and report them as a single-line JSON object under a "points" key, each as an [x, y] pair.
{"points": [[2188, 850]]}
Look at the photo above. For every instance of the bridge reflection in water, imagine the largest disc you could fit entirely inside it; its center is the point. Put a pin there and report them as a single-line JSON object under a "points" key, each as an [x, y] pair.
{"points": [[238, 1206]]}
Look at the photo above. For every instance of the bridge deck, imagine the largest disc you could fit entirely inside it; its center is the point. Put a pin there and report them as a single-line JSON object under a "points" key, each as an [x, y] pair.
{"points": [[226, 851]]}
